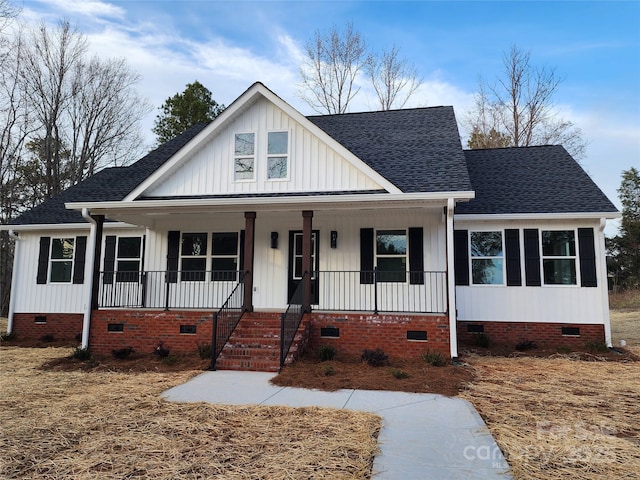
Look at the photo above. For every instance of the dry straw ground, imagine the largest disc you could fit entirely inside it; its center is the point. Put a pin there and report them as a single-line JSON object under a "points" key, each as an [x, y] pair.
{"points": [[557, 417], [85, 425]]}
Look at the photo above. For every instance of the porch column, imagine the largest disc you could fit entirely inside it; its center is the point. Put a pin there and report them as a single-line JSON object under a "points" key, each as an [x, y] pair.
{"points": [[249, 233], [97, 255], [307, 228]]}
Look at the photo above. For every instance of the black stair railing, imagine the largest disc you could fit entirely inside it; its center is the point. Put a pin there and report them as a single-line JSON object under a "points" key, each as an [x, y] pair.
{"points": [[226, 320], [291, 318]]}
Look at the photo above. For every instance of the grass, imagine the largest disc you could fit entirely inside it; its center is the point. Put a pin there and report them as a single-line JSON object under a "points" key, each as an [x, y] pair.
{"points": [[105, 424], [627, 300]]}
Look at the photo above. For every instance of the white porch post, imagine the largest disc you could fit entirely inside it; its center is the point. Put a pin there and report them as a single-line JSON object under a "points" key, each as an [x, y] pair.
{"points": [[14, 281], [451, 282]]}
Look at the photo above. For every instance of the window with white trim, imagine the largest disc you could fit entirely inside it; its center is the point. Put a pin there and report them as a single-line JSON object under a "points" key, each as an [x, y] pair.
{"points": [[244, 156], [559, 257], [487, 258], [193, 256], [391, 255], [277, 155], [224, 256], [128, 258], [61, 260]]}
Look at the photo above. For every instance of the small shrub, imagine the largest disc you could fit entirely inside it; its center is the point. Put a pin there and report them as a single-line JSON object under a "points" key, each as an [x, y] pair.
{"points": [[204, 350], [597, 347], [170, 359], [399, 374], [161, 350], [122, 353], [525, 345], [563, 349], [48, 338], [482, 340], [375, 358], [328, 371], [326, 353], [8, 337], [81, 354], [436, 359]]}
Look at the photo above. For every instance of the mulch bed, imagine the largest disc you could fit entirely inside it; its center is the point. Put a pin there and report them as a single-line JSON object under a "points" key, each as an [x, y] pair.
{"points": [[399, 375]]}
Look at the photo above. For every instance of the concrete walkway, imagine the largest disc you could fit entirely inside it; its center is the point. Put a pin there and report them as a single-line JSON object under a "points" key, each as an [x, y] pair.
{"points": [[423, 435]]}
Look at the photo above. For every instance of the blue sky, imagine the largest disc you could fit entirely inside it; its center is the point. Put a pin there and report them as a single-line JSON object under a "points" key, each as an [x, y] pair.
{"points": [[594, 46]]}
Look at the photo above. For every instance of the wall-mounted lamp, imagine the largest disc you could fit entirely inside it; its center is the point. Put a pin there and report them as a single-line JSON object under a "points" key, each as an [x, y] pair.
{"points": [[274, 239], [334, 239]]}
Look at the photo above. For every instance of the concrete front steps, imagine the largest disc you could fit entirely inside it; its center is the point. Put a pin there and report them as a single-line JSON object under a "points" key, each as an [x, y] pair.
{"points": [[255, 344]]}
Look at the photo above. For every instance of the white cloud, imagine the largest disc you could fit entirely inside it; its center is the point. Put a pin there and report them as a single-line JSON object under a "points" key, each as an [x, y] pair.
{"points": [[89, 8]]}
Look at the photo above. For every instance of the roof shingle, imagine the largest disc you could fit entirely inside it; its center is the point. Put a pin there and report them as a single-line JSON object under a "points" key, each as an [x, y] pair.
{"points": [[544, 179]]}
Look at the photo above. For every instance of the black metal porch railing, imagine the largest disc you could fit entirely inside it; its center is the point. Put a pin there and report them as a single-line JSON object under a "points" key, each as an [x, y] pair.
{"points": [[166, 290], [226, 320], [291, 318], [381, 291]]}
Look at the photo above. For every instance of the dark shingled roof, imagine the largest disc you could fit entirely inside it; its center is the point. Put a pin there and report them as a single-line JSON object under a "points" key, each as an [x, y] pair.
{"points": [[543, 179], [418, 150], [110, 184]]}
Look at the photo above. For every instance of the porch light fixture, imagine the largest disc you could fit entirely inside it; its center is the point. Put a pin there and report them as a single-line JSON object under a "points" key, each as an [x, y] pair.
{"points": [[334, 239], [274, 239]]}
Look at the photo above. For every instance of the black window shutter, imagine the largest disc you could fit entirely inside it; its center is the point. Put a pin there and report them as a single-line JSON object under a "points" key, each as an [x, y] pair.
{"points": [[109, 259], [173, 253], [586, 243], [461, 256], [532, 257], [366, 256], [512, 253], [416, 256], [79, 257], [43, 260]]}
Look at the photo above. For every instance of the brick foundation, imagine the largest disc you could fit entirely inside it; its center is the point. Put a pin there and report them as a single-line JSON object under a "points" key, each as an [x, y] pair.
{"points": [[388, 332], [144, 329], [62, 326], [543, 334]]}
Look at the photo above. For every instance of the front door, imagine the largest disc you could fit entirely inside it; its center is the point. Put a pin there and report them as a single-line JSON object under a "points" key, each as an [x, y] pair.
{"points": [[295, 263]]}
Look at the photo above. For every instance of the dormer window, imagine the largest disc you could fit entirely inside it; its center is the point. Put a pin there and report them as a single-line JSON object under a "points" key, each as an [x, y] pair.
{"points": [[277, 155], [244, 156]]}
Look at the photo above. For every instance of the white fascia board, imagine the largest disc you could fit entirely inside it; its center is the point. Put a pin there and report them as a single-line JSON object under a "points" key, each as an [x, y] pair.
{"points": [[538, 216], [61, 226], [229, 114], [261, 203]]}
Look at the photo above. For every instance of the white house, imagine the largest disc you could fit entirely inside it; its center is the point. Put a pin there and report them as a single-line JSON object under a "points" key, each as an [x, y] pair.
{"points": [[376, 229]]}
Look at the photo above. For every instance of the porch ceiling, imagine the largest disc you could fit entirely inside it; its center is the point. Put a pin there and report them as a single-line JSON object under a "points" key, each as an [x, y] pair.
{"points": [[147, 212]]}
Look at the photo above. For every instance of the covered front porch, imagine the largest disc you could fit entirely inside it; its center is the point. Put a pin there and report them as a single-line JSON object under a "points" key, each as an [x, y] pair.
{"points": [[370, 258]]}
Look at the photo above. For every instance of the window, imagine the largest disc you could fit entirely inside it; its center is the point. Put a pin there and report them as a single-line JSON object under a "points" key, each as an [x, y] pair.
{"points": [[486, 258], [224, 256], [128, 259], [244, 156], [193, 253], [559, 257], [277, 155], [61, 259], [391, 255]]}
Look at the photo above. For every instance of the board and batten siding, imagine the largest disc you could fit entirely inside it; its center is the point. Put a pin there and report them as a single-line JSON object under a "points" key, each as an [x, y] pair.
{"points": [[313, 165], [31, 297], [271, 264], [546, 303]]}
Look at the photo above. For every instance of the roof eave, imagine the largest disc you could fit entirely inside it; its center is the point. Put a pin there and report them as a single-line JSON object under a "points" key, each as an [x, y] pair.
{"points": [[537, 216]]}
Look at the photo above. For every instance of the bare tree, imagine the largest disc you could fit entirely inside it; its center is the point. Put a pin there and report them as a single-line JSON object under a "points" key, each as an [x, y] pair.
{"points": [[520, 107], [63, 116], [393, 78], [329, 73]]}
